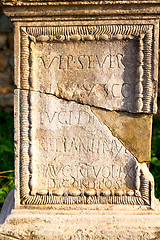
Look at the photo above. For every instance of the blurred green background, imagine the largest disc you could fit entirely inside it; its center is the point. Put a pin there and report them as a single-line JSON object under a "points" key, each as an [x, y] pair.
{"points": [[155, 155], [6, 155]]}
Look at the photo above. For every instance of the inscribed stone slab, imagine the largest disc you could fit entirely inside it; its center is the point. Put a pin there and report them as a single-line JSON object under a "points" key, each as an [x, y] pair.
{"points": [[72, 169], [96, 73], [67, 154], [107, 66], [74, 158]]}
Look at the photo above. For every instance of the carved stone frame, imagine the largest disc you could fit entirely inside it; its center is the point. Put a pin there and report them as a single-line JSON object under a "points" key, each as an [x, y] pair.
{"points": [[144, 98]]}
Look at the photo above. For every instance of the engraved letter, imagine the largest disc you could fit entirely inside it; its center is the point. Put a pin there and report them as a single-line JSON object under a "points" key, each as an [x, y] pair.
{"points": [[60, 119], [52, 117], [119, 60], [80, 61], [65, 170], [115, 90], [46, 63], [126, 90], [53, 171], [101, 65]]}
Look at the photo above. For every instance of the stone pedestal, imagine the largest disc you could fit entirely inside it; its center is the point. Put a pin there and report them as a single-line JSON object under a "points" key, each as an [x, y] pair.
{"points": [[90, 223], [86, 75]]}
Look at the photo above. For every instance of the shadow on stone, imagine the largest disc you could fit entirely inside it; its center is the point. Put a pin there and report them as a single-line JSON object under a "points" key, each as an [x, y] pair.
{"points": [[7, 207]]}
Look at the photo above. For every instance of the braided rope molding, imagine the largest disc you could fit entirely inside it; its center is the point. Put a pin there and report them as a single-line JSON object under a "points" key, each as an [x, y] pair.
{"points": [[24, 60], [30, 35], [148, 74], [145, 188], [46, 200], [32, 180], [139, 85], [90, 33], [24, 143]]}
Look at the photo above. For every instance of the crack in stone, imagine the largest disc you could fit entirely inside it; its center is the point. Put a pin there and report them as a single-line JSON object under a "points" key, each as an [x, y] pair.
{"points": [[51, 94], [83, 104], [90, 106]]}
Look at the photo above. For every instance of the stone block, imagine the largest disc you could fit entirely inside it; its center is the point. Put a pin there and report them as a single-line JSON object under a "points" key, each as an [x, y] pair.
{"points": [[93, 67], [86, 76], [97, 224], [81, 161]]}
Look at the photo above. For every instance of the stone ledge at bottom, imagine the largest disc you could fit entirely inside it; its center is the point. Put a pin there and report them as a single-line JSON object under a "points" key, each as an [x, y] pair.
{"points": [[81, 225]]}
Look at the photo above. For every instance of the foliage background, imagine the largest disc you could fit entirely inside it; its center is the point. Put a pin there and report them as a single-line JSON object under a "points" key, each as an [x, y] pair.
{"points": [[6, 155], [155, 155]]}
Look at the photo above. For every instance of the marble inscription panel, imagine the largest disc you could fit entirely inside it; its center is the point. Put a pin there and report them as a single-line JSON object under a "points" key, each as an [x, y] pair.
{"points": [[71, 155], [98, 73], [74, 150]]}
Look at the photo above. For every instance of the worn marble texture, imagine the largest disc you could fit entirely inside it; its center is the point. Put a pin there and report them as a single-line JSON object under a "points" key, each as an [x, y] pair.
{"points": [[137, 224], [97, 73], [85, 87], [108, 66], [75, 155]]}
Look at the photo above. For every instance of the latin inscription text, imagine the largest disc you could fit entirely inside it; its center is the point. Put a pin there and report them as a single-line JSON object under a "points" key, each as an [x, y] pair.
{"points": [[83, 61]]}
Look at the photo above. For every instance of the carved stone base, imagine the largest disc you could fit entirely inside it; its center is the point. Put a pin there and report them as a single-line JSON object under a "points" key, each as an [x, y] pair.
{"points": [[136, 223]]}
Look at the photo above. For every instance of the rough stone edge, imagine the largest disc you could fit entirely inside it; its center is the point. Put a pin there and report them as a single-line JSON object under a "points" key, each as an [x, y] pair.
{"points": [[7, 207]]}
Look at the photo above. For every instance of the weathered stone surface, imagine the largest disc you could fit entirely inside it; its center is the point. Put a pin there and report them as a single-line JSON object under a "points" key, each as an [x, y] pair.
{"points": [[95, 73], [7, 207], [90, 10], [104, 66], [74, 178], [133, 130], [61, 141], [76, 225], [74, 154]]}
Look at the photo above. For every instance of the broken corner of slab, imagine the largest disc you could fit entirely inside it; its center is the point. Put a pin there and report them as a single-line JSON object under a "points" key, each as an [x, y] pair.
{"points": [[133, 130]]}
